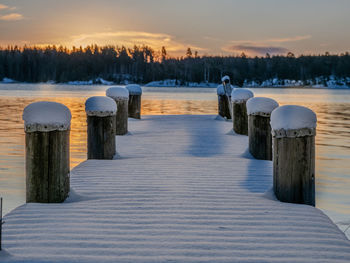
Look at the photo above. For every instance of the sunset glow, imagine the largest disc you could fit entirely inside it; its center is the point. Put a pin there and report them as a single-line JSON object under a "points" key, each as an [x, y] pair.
{"points": [[221, 28]]}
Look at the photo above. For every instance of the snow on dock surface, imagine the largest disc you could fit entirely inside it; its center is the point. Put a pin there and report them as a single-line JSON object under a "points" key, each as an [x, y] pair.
{"points": [[183, 190]]}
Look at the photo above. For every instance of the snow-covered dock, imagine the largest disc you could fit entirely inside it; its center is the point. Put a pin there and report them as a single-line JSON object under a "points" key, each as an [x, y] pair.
{"points": [[182, 190]]}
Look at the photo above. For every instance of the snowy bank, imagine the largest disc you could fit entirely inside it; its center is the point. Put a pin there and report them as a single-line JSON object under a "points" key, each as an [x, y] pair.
{"points": [[330, 82], [176, 83], [7, 81]]}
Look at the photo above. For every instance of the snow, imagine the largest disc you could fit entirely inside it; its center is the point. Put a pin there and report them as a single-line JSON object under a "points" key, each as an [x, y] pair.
{"points": [[8, 81], [241, 95], [134, 89], [292, 117], [331, 82], [103, 81], [100, 106], [118, 93], [177, 83], [181, 192], [100, 81], [45, 116], [220, 90], [261, 106], [89, 82], [225, 78]]}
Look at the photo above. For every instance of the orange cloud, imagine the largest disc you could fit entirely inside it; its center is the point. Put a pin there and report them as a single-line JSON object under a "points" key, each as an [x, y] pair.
{"points": [[131, 38], [256, 50], [261, 47], [11, 17], [3, 6]]}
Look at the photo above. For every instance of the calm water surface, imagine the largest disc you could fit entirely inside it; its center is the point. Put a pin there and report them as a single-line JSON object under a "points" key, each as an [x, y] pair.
{"points": [[333, 132]]}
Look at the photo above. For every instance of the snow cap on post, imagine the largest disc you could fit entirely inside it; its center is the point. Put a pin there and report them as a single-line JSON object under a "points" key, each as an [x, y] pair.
{"points": [[118, 93], [293, 121], [100, 106], [134, 89], [261, 106], [220, 90], [241, 95], [45, 116], [225, 79]]}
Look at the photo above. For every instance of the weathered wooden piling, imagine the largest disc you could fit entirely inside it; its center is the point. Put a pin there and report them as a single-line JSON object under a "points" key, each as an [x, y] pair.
{"points": [[224, 91], [47, 128], [135, 93], [1, 223], [101, 123], [239, 99], [293, 131], [228, 88], [259, 130], [223, 103], [121, 97]]}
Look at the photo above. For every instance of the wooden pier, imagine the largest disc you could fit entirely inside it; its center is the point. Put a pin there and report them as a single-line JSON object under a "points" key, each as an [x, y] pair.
{"points": [[182, 189]]}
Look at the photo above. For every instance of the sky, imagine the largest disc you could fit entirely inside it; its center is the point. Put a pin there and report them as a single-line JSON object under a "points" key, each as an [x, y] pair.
{"points": [[211, 27]]}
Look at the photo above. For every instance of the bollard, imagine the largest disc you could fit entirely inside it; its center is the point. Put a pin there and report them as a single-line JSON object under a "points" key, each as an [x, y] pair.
{"points": [[223, 105], [293, 132], [47, 128], [121, 97], [135, 93], [239, 99], [228, 88], [101, 121], [259, 130]]}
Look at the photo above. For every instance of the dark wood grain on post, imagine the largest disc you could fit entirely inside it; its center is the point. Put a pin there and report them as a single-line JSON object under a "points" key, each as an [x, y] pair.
{"points": [[47, 166], [240, 117], [101, 137], [121, 97], [294, 169], [134, 109], [223, 107], [260, 138], [122, 117]]}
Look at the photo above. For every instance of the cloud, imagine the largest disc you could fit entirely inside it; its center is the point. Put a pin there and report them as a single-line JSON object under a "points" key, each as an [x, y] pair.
{"points": [[261, 47], [11, 17], [131, 38], [287, 39], [3, 7], [256, 50]]}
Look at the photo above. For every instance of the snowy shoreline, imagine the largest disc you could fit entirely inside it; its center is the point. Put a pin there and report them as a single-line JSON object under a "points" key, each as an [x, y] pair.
{"points": [[320, 83]]}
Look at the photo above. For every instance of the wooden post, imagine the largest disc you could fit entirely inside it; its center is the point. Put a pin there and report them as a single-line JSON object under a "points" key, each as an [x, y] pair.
{"points": [[1, 223], [121, 97], [259, 130], [101, 122], [135, 92], [223, 105], [47, 128], [293, 131], [239, 99]]}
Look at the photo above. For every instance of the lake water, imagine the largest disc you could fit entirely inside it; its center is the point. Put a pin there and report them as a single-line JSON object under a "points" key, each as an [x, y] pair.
{"points": [[332, 140]]}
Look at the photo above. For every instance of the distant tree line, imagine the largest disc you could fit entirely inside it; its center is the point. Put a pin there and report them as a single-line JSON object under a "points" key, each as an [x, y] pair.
{"points": [[141, 64]]}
